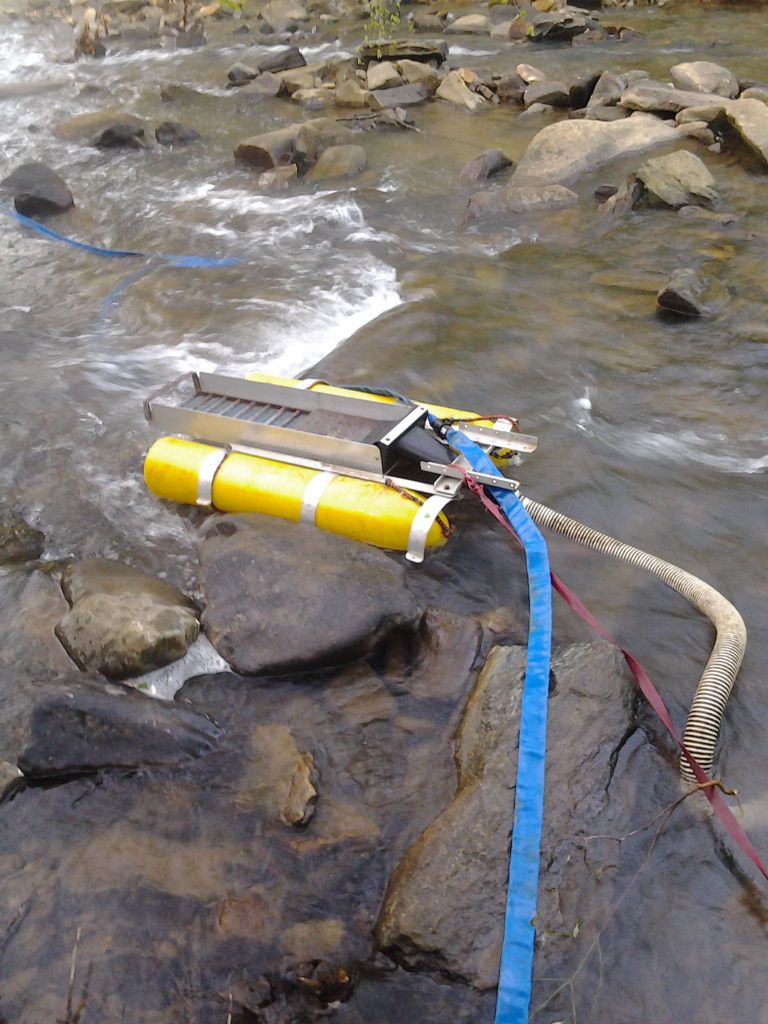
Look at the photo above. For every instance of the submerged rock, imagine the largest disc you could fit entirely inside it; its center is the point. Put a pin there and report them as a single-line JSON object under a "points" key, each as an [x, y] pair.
{"points": [[37, 190], [19, 541], [172, 133], [339, 162], [682, 294], [84, 725], [122, 135], [86, 127], [444, 907], [485, 165], [704, 76], [678, 179], [519, 200], [284, 597], [123, 622], [567, 150]]}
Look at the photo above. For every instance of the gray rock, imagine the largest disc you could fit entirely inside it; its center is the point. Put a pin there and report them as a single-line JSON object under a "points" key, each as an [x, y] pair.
{"points": [[453, 89], [241, 73], [85, 127], [382, 75], [553, 94], [678, 179], [565, 151], [19, 542], [710, 216], [621, 202], [484, 165], [606, 113], [756, 92], [536, 112], [282, 597], [284, 60], [444, 907], [697, 130], [556, 26], [530, 74], [402, 96], [299, 144], [339, 162], [260, 88], [469, 24], [682, 295], [85, 725], [172, 133], [176, 92], [608, 90], [704, 76], [281, 778], [278, 178], [511, 87], [37, 190], [123, 135], [655, 97], [414, 72], [403, 49], [581, 89], [750, 119], [519, 200], [11, 781], [351, 94], [123, 622]]}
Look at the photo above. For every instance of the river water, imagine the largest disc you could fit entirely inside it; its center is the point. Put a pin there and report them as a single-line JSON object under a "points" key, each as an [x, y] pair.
{"points": [[655, 431]]}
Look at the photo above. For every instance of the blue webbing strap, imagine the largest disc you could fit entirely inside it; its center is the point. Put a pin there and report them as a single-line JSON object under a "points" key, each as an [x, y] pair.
{"points": [[516, 971], [98, 250]]}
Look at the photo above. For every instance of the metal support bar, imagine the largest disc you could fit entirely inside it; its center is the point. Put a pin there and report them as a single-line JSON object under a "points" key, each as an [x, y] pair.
{"points": [[208, 470], [488, 479], [422, 523]]}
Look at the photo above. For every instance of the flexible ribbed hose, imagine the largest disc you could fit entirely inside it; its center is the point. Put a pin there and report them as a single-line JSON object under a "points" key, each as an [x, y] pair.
{"points": [[708, 707]]}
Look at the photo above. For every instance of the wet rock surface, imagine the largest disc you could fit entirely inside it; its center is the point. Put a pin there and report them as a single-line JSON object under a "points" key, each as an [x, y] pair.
{"points": [[37, 190], [682, 295], [19, 540], [257, 572], [84, 725], [444, 907], [678, 179], [123, 622]]}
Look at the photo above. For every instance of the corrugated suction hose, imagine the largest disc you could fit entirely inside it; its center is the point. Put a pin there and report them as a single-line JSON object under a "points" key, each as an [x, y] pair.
{"points": [[708, 707]]}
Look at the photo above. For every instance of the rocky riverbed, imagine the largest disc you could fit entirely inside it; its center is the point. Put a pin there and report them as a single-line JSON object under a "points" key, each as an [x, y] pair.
{"points": [[254, 772]]}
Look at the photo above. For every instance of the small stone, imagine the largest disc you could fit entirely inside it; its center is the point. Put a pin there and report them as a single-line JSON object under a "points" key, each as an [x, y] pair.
{"points": [[756, 92], [486, 164], [37, 190], [172, 133], [278, 178], [535, 112], [704, 76], [553, 94], [383, 76], [681, 294], [469, 24], [283, 60], [351, 94], [711, 216], [84, 127], [19, 542], [415, 72], [120, 136], [260, 88], [608, 90], [519, 200], [581, 89], [511, 87], [454, 90], [239, 73], [697, 130], [530, 74]]}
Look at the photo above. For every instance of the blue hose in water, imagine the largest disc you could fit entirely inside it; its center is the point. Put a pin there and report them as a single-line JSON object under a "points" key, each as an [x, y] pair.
{"points": [[98, 250], [516, 969]]}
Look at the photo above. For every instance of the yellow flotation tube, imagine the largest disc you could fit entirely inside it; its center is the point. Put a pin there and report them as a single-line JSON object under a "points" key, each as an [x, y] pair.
{"points": [[362, 510]]}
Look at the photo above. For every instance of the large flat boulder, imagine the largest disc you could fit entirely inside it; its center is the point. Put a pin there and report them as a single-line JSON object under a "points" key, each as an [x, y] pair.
{"points": [[403, 49], [444, 909], [655, 97], [563, 152], [750, 119], [283, 597], [123, 622]]}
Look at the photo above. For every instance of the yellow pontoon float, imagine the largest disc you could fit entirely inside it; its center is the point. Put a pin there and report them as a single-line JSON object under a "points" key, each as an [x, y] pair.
{"points": [[365, 464]]}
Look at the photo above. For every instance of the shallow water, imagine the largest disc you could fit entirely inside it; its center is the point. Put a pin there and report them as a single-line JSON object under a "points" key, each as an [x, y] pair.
{"points": [[656, 431]]}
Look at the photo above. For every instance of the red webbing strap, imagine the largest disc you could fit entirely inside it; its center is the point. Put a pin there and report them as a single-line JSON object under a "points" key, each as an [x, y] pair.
{"points": [[651, 694]]}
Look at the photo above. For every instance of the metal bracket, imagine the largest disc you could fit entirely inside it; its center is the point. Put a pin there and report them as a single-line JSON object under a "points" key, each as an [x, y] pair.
{"points": [[207, 474], [420, 412], [488, 479], [422, 524], [313, 492]]}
